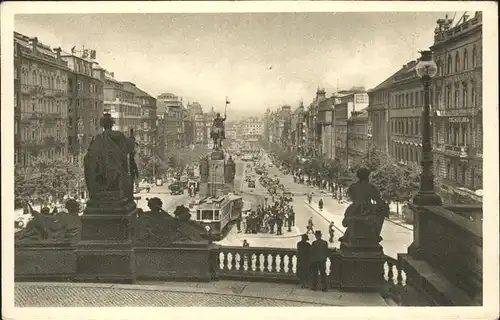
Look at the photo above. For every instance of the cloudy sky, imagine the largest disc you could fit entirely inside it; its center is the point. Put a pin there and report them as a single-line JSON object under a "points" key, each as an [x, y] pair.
{"points": [[259, 60]]}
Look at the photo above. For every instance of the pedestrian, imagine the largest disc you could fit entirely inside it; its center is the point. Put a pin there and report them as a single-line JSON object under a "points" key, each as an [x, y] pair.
{"points": [[238, 224], [319, 253], [310, 225], [246, 244], [320, 204], [279, 224], [303, 260], [331, 231]]}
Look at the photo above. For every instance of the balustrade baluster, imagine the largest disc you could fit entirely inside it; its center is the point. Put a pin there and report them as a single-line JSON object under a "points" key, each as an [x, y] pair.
{"points": [[390, 274], [222, 261], [257, 262], [400, 273], [274, 262], [241, 265], [282, 262], [233, 261], [290, 262], [266, 263]]}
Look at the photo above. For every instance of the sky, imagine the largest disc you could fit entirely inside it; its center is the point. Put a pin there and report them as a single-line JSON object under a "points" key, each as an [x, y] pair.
{"points": [[258, 60]]}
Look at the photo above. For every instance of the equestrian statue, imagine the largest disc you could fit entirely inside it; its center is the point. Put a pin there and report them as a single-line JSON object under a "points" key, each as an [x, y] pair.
{"points": [[218, 133]]}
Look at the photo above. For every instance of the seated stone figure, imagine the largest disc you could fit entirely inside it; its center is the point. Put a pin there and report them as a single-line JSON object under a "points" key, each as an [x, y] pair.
{"points": [[365, 216], [61, 227], [159, 228]]}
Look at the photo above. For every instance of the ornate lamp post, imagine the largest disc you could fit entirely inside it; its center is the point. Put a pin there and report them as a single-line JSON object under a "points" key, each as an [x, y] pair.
{"points": [[426, 69]]}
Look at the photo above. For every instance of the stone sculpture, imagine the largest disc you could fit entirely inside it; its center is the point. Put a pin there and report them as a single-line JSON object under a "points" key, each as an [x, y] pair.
{"points": [[109, 165], [365, 216]]}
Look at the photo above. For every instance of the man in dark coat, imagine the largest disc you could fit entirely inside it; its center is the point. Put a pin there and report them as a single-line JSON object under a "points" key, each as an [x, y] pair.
{"points": [[319, 253], [303, 260]]}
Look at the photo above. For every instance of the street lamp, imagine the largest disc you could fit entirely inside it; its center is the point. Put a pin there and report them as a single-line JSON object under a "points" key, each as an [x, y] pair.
{"points": [[426, 69]]}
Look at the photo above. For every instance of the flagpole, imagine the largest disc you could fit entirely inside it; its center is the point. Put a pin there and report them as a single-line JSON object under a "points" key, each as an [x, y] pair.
{"points": [[225, 108]]}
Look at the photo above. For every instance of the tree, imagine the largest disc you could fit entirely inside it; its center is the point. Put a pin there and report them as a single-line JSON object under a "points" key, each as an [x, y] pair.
{"points": [[46, 178]]}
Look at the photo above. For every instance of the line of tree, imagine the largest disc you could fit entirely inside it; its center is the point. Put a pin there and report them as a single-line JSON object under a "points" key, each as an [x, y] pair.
{"points": [[397, 183], [45, 179]]}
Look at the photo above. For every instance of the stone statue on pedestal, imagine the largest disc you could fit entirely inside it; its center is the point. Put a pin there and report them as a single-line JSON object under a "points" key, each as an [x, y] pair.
{"points": [[218, 133], [365, 216], [230, 170], [204, 167], [109, 164]]}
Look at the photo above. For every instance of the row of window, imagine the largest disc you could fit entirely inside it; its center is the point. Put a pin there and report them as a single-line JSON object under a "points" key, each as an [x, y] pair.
{"points": [[37, 135], [50, 81], [406, 126], [26, 159], [464, 91], [461, 62], [456, 134], [44, 106], [87, 86], [406, 153], [459, 172]]}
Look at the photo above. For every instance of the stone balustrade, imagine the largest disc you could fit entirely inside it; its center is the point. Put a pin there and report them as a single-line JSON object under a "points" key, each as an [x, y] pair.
{"points": [[444, 263]]}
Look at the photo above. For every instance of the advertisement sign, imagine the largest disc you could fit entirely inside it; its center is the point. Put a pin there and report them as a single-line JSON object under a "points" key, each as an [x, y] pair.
{"points": [[361, 98]]}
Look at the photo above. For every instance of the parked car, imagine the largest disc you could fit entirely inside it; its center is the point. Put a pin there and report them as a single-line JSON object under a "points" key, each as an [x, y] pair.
{"points": [[251, 184]]}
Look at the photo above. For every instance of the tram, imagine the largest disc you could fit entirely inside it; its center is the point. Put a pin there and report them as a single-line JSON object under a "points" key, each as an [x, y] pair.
{"points": [[218, 213]]}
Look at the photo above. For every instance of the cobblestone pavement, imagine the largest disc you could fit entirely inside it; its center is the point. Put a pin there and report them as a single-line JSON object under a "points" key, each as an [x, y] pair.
{"points": [[168, 294]]}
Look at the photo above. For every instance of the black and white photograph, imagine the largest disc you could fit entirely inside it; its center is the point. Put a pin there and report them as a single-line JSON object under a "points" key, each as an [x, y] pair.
{"points": [[250, 154]]}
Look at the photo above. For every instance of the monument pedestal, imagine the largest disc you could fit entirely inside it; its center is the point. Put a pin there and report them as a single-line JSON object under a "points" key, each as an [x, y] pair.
{"points": [[362, 267], [106, 252]]}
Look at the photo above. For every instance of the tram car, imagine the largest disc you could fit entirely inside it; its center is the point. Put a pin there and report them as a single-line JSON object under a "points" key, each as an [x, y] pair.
{"points": [[218, 213]]}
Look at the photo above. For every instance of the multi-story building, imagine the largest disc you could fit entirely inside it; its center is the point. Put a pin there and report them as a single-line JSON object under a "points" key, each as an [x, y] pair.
{"points": [[86, 105], [359, 135], [231, 132], [378, 114], [40, 101], [325, 120], [299, 130], [346, 102], [188, 125], [173, 120], [253, 128], [196, 114], [458, 131], [119, 102], [406, 102], [145, 133]]}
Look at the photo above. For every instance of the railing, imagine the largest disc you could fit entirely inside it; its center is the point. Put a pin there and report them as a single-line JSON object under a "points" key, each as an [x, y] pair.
{"points": [[471, 212], [280, 265], [395, 278], [452, 246], [257, 263]]}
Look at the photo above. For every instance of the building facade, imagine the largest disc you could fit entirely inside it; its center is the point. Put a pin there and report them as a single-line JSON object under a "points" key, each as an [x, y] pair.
{"points": [[253, 128], [145, 133], [346, 102], [41, 99], [359, 135], [378, 114], [173, 120], [119, 102], [406, 106], [299, 130], [86, 105], [457, 103]]}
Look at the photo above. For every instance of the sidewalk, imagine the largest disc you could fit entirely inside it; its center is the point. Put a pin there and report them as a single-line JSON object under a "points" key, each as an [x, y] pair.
{"points": [[184, 294]]}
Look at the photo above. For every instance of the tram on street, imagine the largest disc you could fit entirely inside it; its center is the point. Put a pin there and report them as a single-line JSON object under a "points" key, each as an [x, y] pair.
{"points": [[218, 213]]}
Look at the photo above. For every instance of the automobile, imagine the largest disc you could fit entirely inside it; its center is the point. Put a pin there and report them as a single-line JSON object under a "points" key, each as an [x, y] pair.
{"points": [[251, 184], [144, 185], [176, 188]]}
